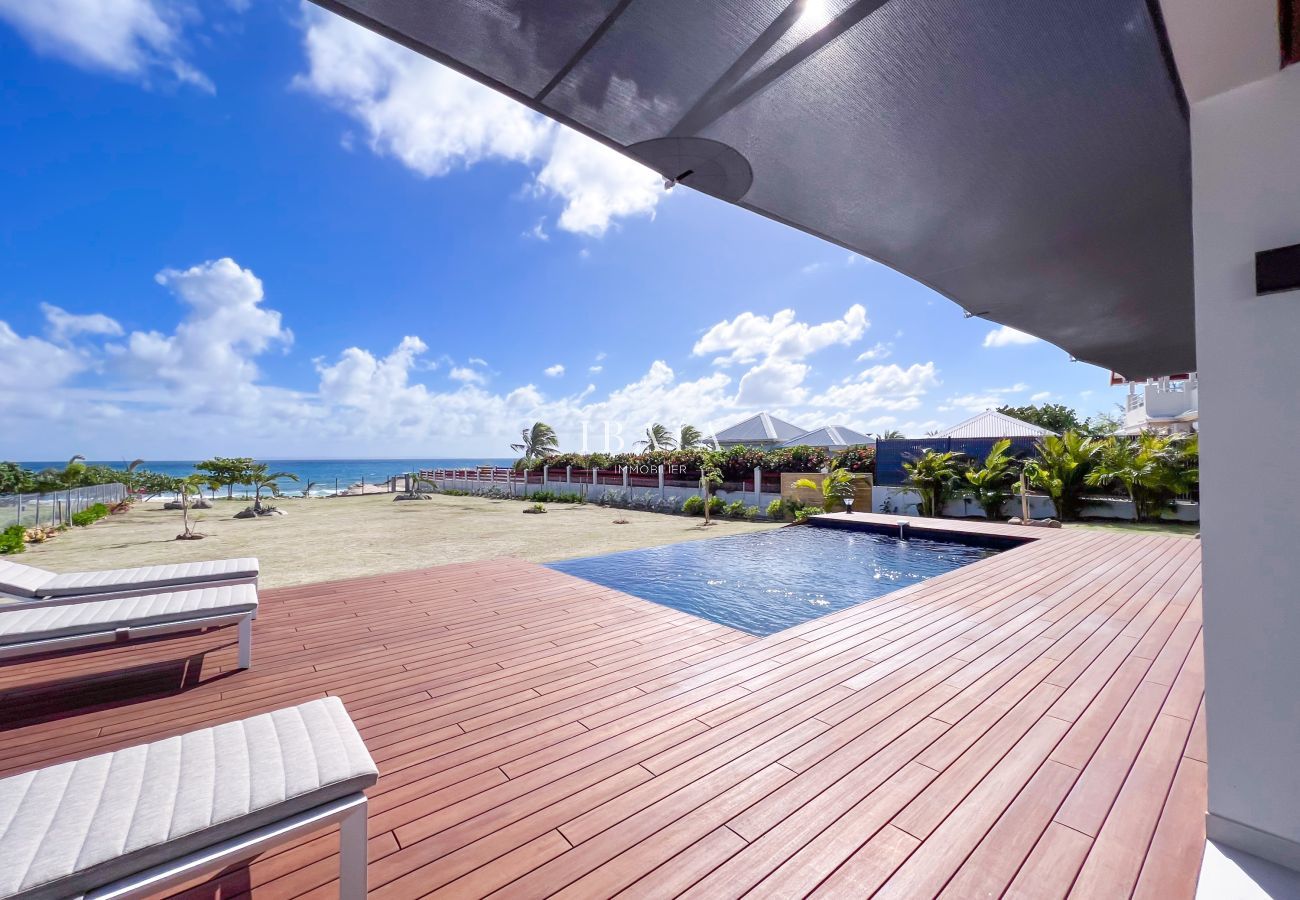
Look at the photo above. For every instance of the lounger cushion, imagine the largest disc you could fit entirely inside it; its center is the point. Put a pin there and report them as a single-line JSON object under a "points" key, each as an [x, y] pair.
{"points": [[77, 826], [20, 625], [20, 580], [109, 580]]}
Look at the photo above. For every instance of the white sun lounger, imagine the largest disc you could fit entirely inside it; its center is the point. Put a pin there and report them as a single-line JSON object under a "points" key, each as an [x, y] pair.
{"points": [[138, 821], [26, 629], [27, 583]]}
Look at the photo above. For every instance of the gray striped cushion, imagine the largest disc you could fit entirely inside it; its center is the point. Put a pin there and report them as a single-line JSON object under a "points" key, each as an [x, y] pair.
{"points": [[20, 580], [77, 826], [19, 625], [109, 580]]}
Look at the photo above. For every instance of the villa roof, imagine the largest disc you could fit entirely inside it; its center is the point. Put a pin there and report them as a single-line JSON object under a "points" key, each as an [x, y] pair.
{"points": [[830, 436], [1027, 160], [993, 424], [759, 427]]}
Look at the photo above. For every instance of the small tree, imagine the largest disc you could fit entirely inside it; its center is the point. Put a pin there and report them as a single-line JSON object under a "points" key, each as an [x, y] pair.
{"points": [[1149, 467], [933, 475], [691, 438], [1053, 416], [228, 471], [186, 487], [892, 434], [990, 484], [710, 477]]}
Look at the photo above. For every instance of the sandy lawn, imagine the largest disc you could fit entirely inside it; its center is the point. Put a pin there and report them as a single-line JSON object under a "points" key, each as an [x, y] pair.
{"points": [[323, 539]]}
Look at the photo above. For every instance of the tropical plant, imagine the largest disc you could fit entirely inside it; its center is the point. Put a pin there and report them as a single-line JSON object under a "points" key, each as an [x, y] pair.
{"points": [[990, 483], [892, 434], [1149, 467], [1104, 424], [735, 509], [262, 479], [934, 475], [14, 479], [804, 513], [90, 515], [150, 484], [657, 437], [775, 508], [228, 471], [13, 539], [693, 505], [1061, 469], [836, 487], [537, 441]]}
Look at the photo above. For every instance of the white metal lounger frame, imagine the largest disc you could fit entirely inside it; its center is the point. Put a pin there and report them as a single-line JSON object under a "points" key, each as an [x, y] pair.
{"points": [[349, 812], [244, 620]]}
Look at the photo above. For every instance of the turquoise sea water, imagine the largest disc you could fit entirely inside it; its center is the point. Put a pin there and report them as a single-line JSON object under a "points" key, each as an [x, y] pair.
{"points": [[326, 473]]}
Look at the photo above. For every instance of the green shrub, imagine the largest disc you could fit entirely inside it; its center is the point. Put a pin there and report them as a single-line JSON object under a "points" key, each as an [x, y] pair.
{"points": [[554, 497], [776, 509], [735, 509], [716, 506], [751, 513], [694, 505], [802, 513], [11, 539], [90, 515]]}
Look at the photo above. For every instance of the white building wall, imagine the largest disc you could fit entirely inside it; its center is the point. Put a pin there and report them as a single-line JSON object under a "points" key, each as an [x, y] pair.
{"points": [[1246, 189]]}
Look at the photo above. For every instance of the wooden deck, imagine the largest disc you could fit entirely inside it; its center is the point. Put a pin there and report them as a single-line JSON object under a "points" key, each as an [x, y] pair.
{"points": [[1029, 726]]}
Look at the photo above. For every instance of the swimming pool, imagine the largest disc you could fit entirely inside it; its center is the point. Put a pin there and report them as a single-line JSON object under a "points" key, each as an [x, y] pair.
{"points": [[766, 582]]}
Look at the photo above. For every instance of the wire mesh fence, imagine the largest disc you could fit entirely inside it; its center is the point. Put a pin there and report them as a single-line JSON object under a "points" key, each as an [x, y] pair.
{"points": [[57, 507]]}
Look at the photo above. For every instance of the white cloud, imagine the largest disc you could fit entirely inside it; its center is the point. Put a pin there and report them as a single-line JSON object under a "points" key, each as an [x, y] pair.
{"points": [[880, 351], [554, 371], [889, 387], [210, 356], [1006, 336], [812, 268], [31, 364], [466, 375], [773, 382], [972, 402], [434, 121], [64, 325], [129, 38], [1040, 397], [538, 231], [477, 361], [749, 337], [595, 370]]}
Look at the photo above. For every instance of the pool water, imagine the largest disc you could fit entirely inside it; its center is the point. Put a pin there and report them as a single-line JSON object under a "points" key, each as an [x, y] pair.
{"points": [[765, 582]]}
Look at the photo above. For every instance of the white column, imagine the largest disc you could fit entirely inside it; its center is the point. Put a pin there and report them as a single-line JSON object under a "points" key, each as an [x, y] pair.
{"points": [[626, 479], [661, 483], [1246, 198], [758, 485]]}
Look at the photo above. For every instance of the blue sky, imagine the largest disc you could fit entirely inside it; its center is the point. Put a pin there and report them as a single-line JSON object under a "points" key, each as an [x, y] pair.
{"points": [[256, 229]]}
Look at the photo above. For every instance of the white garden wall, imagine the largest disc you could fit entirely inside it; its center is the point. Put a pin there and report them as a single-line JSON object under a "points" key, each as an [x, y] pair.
{"points": [[905, 501]]}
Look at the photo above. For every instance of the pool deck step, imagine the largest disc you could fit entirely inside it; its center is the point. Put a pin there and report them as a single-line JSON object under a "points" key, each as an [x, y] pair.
{"points": [[1029, 725]]}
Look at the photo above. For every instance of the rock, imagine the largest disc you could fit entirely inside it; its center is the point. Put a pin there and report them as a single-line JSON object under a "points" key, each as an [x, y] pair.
{"points": [[1040, 523], [401, 497], [534, 510], [200, 504], [1014, 520], [173, 504], [246, 514]]}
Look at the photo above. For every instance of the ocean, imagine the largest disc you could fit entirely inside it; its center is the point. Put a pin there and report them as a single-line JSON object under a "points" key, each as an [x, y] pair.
{"points": [[325, 474]]}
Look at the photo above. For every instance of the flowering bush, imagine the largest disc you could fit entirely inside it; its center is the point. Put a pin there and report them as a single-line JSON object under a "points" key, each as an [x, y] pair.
{"points": [[857, 459]]}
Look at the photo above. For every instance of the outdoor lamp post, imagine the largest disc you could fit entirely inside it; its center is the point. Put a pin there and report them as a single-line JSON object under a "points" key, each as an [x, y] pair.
{"points": [[848, 506]]}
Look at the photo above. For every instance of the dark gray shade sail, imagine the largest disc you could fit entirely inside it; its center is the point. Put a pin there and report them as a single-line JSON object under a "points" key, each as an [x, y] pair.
{"points": [[1029, 159]]}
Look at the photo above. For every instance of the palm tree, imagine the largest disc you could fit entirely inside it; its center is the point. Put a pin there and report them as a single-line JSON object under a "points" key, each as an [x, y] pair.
{"points": [[537, 442], [657, 437], [933, 475], [892, 434], [990, 484], [1061, 469], [691, 437], [836, 487], [1150, 469], [261, 480]]}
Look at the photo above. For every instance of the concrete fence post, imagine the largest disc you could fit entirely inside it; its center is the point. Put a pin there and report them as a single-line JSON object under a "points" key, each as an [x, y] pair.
{"points": [[758, 485], [626, 479], [546, 475], [661, 482], [568, 474]]}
